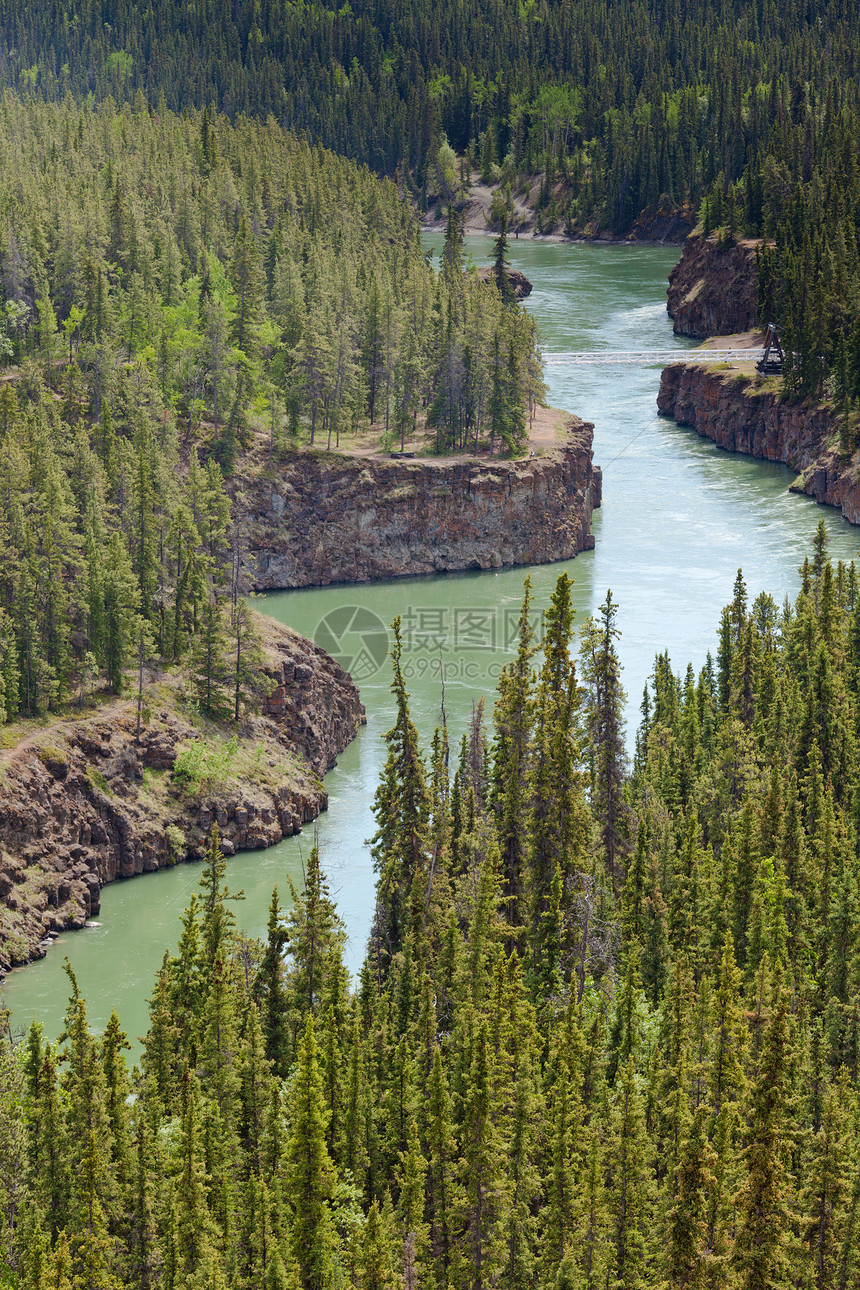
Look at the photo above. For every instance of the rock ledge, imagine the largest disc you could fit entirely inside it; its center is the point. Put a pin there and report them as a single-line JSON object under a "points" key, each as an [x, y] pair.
{"points": [[82, 805], [713, 292], [729, 409], [322, 518]]}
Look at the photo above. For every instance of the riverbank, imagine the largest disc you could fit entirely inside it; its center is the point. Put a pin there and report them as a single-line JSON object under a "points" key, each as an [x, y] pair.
{"points": [[741, 411], [82, 804], [478, 203], [313, 519]]}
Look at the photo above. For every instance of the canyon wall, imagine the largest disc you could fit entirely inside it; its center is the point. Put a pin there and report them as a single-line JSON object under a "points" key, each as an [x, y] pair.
{"points": [[81, 804], [319, 518], [713, 292], [742, 414]]}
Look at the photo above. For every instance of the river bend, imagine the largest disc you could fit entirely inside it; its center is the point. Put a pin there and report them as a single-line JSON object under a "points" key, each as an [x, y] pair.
{"points": [[679, 518]]}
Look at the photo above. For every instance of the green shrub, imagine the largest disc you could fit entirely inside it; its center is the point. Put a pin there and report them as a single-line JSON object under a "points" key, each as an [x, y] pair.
{"points": [[176, 844], [52, 757], [201, 766], [97, 780]]}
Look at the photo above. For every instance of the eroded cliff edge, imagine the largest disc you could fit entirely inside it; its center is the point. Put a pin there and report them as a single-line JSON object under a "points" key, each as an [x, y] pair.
{"points": [[318, 518], [741, 413], [713, 290], [81, 804]]}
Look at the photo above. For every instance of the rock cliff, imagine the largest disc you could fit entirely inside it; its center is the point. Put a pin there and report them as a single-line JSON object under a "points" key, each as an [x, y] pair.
{"points": [[82, 805], [742, 414], [520, 283], [713, 292], [320, 518]]}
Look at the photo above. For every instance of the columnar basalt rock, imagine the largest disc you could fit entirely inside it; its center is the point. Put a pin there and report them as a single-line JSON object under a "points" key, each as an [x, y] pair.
{"points": [[323, 518], [738, 415], [713, 291], [77, 810]]}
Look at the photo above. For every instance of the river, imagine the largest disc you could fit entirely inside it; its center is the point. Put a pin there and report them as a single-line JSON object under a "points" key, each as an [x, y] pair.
{"points": [[678, 520]]}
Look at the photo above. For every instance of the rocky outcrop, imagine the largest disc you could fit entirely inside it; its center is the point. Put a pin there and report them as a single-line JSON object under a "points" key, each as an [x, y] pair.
{"points": [[81, 804], [314, 707], [741, 414], [323, 518], [520, 283], [713, 291], [666, 225]]}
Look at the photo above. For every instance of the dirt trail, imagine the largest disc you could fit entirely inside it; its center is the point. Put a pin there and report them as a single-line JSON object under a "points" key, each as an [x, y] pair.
{"points": [[17, 751], [754, 339], [547, 430]]}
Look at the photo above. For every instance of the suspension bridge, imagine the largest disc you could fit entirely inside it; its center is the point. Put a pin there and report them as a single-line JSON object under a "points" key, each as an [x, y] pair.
{"points": [[648, 357]]}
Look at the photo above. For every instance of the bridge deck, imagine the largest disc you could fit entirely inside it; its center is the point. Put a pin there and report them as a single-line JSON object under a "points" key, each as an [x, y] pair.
{"points": [[647, 357]]}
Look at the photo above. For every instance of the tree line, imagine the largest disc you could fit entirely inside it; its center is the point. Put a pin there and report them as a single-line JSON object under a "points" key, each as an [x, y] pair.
{"points": [[605, 1034], [807, 207]]}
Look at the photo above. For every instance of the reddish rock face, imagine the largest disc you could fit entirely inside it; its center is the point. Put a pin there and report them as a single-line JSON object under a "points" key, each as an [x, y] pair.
{"points": [[72, 815], [713, 292], [325, 518], [740, 418], [520, 283]]}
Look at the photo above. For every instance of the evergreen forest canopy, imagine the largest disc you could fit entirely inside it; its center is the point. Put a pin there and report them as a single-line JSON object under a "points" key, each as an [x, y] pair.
{"points": [[182, 295], [635, 104], [607, 1033], [744, 113]]}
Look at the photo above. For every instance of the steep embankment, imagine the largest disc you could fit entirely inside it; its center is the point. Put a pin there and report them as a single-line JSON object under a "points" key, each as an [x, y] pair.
{"points": [[713, 291], [320, 518], [742, 413], [82, 804]]}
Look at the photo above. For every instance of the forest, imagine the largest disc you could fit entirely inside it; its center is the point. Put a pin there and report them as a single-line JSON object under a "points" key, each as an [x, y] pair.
{"points": [[606, 1033], [635, 104], [185, 298], [604, 114]]}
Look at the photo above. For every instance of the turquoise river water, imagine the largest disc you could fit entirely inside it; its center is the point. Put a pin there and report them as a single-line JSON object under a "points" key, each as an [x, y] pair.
{"points": [[678, 520]]}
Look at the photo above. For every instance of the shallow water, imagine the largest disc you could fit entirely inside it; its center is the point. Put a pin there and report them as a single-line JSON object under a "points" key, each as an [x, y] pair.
{"points": [[679, 518]]}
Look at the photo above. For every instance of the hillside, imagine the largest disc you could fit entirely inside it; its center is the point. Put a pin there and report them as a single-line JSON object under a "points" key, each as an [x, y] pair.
{"points": [[605, 1032], [622, 108]]}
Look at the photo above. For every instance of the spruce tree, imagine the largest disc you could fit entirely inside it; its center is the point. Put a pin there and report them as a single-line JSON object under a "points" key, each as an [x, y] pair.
{"points": [[510, 760], [270, 990], [630, 1187], [401, 808], [763, 1255], [557, 810], [309, 1171], [605, 712]]}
